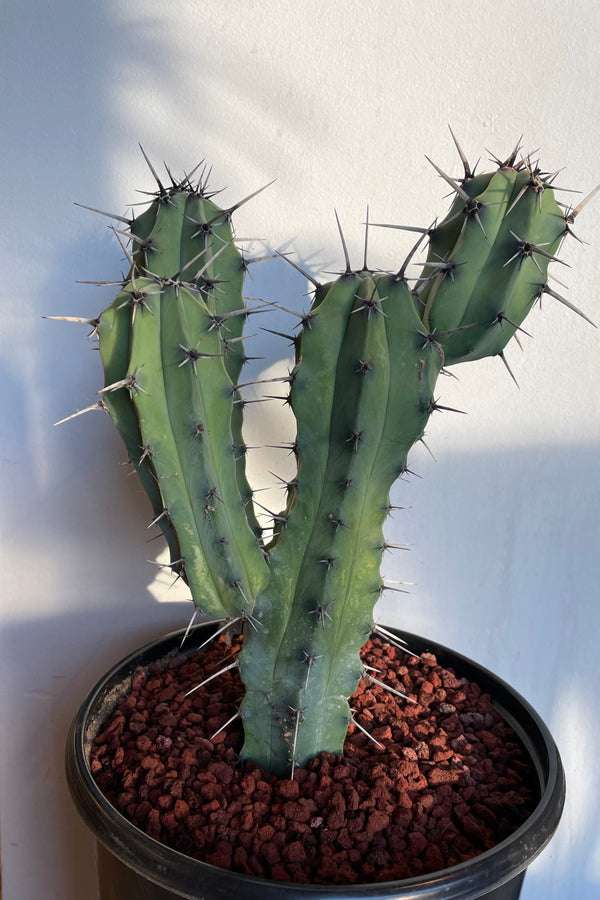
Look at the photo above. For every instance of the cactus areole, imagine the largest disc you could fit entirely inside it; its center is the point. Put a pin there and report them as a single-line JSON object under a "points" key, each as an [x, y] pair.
{"points": [[367, 356]]}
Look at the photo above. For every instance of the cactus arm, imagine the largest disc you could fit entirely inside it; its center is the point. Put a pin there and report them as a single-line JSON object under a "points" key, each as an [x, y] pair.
{"points": [[536, 221], [491, 254], [205, 255], [445, 236], [492, 279], [194, 457], [185, 282], [462, 249], [307, 649], [188, 236]]}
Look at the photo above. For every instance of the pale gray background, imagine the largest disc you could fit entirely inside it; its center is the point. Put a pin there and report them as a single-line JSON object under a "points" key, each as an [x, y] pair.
{"points": [[339, 102]]}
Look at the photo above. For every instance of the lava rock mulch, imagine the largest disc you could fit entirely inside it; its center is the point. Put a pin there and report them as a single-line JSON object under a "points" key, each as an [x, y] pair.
{"points": [[448, 781]]}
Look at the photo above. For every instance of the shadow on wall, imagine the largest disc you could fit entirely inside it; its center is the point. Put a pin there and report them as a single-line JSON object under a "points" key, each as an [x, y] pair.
{"points": [[513, 531]]}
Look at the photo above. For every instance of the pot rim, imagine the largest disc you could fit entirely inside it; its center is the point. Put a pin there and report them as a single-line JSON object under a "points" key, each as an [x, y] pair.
{"points": [[154, 860]]}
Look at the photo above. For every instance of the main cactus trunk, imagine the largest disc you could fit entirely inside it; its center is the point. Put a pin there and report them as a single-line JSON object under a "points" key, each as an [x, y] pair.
{"points": [[362, 393], [362, 389]]}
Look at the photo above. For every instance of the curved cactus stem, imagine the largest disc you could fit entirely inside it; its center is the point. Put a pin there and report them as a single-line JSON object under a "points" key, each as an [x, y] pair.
{"points": [[335, 511]]}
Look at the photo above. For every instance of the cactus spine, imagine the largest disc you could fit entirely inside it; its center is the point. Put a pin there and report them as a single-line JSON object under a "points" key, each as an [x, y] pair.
{"points": [[362, 389]]}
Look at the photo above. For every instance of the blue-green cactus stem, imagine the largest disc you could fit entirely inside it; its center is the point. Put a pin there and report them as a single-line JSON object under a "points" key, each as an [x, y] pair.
{"points": [[189, 238], [194, 459], [488, 262], [361, 394], [172, 352]]}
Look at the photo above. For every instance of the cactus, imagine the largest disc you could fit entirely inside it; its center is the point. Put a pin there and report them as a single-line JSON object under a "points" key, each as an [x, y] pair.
{"points": [[368, 353]]}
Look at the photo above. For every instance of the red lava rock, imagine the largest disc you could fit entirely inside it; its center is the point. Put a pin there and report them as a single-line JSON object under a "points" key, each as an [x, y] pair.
{"points": [[182, 810], [490, 741], [297, 811], [294, 852], [265, 833], [377, 821], [421, 749], [404, 801], [168, 821], [384, 733], [221, 770], [417, 842], [437, 775], [247, 821], [221, 855], [450, 781], [352, 798], [164, 802], [153, 825], [433, 858], [336, 814], [280, 873], [289, 790]]}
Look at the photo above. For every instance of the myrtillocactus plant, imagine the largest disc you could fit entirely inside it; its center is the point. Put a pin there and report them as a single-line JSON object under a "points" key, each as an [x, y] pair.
{"points": [[368, 353]]}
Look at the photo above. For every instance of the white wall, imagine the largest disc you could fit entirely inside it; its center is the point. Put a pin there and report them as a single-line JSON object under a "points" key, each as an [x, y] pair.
{"points": [[339, 102]]}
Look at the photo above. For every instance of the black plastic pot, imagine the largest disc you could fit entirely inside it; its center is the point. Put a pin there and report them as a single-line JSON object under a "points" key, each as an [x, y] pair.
{"points": [[133, 866]]}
